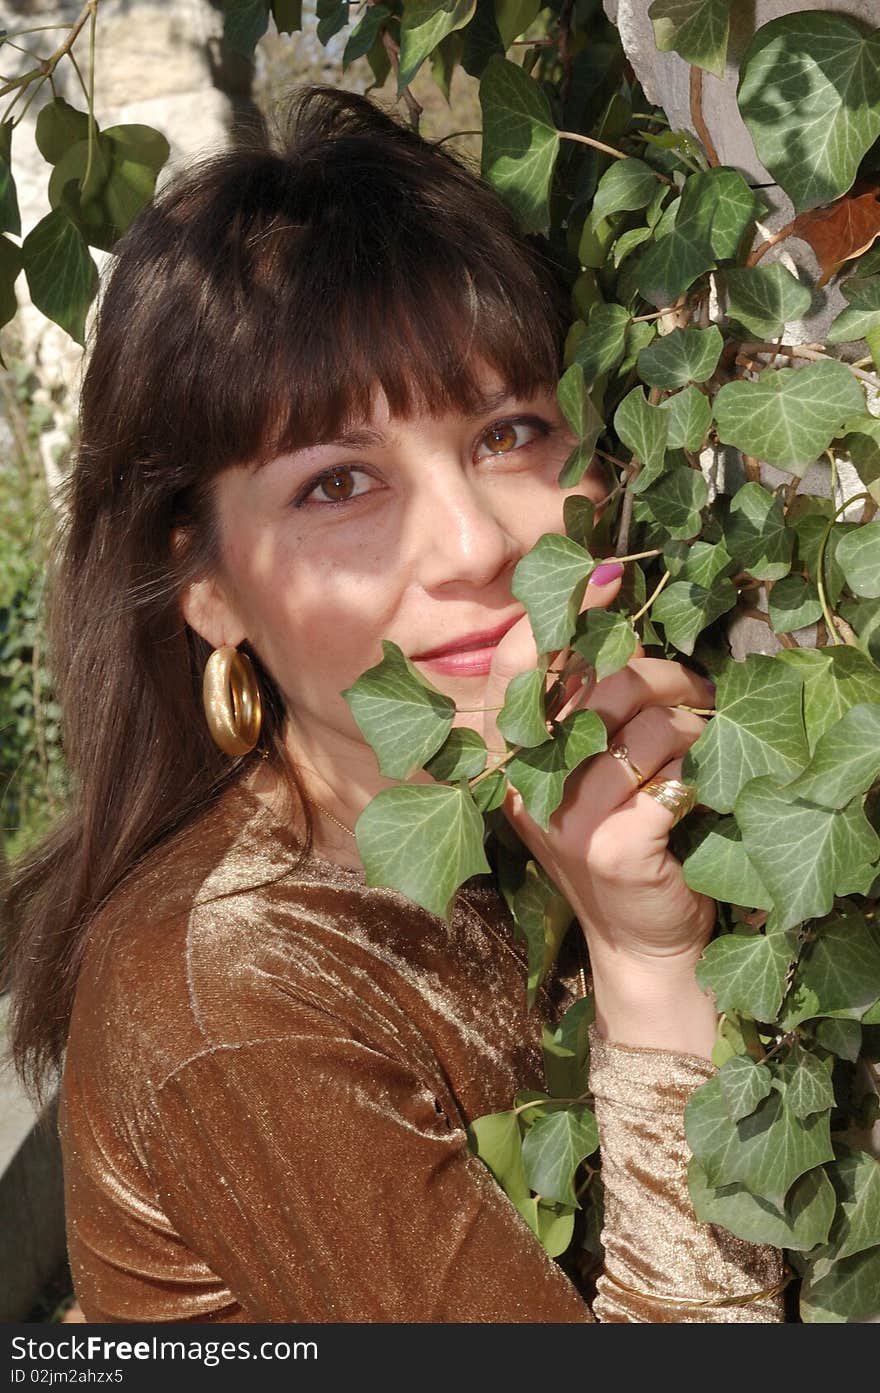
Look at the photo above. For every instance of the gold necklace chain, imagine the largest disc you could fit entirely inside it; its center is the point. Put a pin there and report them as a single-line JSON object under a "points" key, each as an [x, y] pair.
{"points": [[581, 974], [330, 816]]}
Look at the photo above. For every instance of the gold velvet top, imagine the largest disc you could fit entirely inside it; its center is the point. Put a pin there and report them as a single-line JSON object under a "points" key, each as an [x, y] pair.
{"points": [[266, 1090]]}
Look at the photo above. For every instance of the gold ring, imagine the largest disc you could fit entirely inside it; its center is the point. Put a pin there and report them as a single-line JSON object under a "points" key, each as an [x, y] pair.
{"points": [[677, 797], [621, 753]]}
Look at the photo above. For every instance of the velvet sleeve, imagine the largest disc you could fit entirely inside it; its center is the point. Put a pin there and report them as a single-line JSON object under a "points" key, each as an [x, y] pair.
{"points": [[321, 1181], [654, 1243]]}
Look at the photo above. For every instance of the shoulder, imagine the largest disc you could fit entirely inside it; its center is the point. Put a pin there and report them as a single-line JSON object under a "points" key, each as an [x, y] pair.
{"points": [[223, 937]]}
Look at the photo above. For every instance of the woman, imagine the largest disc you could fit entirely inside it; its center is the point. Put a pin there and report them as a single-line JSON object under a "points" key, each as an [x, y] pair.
{"points": [[320, 411]]}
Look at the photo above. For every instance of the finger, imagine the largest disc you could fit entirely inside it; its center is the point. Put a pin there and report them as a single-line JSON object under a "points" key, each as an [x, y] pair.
{"points": [[664, 818], [648, 682], [652, 738]]}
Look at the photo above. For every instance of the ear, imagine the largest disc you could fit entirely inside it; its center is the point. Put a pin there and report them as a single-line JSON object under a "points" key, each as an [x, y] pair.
{"points": [[206, 609]]}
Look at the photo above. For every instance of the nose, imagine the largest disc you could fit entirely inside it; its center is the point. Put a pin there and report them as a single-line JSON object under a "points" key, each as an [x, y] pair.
{"points": [[456, 532]]}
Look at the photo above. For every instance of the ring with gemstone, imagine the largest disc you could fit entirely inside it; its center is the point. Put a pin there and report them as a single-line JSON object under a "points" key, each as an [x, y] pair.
{"points": [[621, 753], [677, 797]]}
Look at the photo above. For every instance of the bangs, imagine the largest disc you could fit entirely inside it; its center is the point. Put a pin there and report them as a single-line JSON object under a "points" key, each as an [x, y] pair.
{"points": [[265, 294]]}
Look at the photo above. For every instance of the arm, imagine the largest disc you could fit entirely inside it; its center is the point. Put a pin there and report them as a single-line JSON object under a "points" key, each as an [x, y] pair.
{"points": [[653, 1242], [318, 1178]]}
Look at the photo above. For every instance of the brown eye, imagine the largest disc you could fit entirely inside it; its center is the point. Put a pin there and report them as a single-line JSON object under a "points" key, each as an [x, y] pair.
{"points": [[501, 438], [338, 486]]}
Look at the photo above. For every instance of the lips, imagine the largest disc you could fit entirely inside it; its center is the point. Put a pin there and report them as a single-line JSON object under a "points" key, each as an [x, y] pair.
{"points": [[468, 642]]}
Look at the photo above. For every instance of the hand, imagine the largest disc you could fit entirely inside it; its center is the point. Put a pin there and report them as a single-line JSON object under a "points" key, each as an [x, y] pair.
{"points": [[606, 847]]}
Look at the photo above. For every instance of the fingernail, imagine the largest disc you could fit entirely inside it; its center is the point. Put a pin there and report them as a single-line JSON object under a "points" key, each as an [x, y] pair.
{"points": [[711, 685], [604, 575]]}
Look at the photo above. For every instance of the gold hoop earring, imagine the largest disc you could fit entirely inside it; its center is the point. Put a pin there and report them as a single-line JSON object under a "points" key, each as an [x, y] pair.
{"points": [[231, 697]]}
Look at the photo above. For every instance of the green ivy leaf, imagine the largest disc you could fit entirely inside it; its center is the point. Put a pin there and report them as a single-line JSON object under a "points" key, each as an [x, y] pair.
{"points": [[578, 514], [61, 275], [685, 609], [497, 1140], [858, 555], [10, 266], [766, 1151], [695, 29], [10, 218], [550, 581], [839, 972], [490, 792], [555, 1147], [807, 1078], [808, 94], [244, 23], [800, 1224], [788, 416], [719, 867], [862, 440], [607, 640], [580, 412], [402, 716], [765, 298], [365, 33], [513, 17], [710, 219], [690, 415], [463, 755], [675, 501], [520, 141], [541, 916], [755, 533], [423, 840], [746, 972], [845, 762], [680, 357], [841, 1037], [603, 344], [644, 429], [59, 125], [521, 719], [814, 853], [846, 1292], [835, 679], [855, 1176], [567, 1050], [862, 316], [422, 27], [287, 15], [626, 187], [757, 729], [744, 1083], [794, 603], [332, 16], [539, 774]]}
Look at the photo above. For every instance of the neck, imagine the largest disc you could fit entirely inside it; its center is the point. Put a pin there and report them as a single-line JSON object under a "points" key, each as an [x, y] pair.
{"points": [[339, 773]]}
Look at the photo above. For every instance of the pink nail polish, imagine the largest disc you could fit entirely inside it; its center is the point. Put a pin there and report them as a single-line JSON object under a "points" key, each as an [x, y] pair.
{"points": [[605, 574]]}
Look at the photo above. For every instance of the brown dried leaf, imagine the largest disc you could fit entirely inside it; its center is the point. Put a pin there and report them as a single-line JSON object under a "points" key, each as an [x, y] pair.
{"points": [[843, 230]]}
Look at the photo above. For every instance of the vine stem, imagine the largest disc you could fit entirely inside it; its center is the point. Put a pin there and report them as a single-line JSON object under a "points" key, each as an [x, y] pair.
{"points": [[596, 144], [664, 580], [813, 355], [828, 613], [763, 247], [696, 100], [393, 50], [91, 96], [48, 65], [640, 555]]}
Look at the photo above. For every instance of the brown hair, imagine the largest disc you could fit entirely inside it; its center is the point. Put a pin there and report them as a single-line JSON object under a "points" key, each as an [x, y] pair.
{"points": [[251, 308]]}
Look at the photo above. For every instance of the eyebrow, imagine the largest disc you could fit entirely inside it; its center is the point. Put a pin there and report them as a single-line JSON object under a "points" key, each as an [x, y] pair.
{"points": [[366, 437]]}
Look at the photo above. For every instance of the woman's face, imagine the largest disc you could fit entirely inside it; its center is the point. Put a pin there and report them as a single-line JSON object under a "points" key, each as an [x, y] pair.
{"points": [[409, 530]]}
